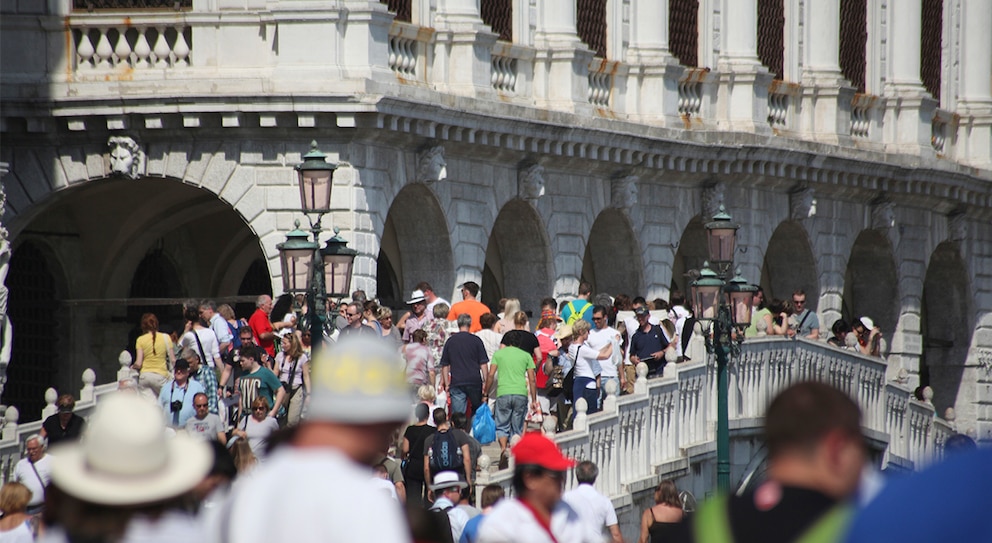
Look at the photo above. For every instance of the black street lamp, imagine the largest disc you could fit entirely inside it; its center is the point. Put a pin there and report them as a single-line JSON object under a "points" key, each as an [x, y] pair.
{"points": [[305, 266], [722, 307]]}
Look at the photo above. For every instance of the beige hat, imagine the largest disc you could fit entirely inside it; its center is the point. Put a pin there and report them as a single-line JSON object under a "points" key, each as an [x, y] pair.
{"points": [[563, 331], [125, 458]]}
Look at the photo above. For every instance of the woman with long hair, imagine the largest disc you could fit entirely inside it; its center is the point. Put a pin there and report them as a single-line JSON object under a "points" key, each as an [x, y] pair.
{"points": [[16, 526], [294, 372], [152, 349], [662, 522], [511, 308]]}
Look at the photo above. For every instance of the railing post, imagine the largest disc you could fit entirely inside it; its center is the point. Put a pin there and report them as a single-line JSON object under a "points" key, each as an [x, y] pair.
{"points": [[10, 423], [89, 378], [51, 395]]}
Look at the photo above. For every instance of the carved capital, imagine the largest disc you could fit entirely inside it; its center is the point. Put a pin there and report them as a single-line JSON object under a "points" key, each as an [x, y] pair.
{"points": [[126, 157], [624, 192], [431, 166], [530, 182]]}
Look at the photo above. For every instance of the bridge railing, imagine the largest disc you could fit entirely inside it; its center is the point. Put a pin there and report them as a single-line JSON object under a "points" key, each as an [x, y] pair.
{"points": [[654, 432]]}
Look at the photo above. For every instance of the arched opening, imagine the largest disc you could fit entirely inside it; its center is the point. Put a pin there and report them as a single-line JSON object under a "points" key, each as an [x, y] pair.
{"points": [[612, 261], [945, 327], [691, 255], [33, 308], [415, 247], [871, 284], [789, 265], [518, 258], [255, 283], [126, 247]]}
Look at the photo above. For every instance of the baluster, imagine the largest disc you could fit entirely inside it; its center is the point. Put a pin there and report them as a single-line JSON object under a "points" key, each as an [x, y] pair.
{"points": [[104, 50], [161, 49], [84, 50], [181, 49], [51, 395], [142, 51], [122, 51]]}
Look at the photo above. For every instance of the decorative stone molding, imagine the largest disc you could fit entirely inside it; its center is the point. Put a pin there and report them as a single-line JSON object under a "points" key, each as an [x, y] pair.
{"points": [[126, 157], [712, 199], [431, 166], [883, 215], [624, 192], [802, 203], [530, 182], [957, 226], [984, 358], [6, 332]]}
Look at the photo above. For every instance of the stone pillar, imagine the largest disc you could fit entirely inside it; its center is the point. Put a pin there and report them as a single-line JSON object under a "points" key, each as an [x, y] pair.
{"points": [[654, 72], [463, 48], [826, 96], [975, 95], [910, 109], [743, 81], [561, 65]]}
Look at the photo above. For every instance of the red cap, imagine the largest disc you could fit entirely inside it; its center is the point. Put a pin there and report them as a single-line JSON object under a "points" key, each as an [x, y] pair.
{"points": [[537, 450]]}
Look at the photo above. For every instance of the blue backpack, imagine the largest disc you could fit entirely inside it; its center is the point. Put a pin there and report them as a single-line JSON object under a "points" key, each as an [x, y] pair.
{"points": [[445, 454]]}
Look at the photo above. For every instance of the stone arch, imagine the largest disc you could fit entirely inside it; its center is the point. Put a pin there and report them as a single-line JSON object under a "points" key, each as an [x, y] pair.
{"points": [[518, 258], [36, 285], [871, 283], [612, 261], [789, 265], [691, 254], [254, 282], [945, 325], [156, 276], [415, 246]]}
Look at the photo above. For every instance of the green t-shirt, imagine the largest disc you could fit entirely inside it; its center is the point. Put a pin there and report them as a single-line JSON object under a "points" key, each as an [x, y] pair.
{"points": [[512, 364], [756, 317]]}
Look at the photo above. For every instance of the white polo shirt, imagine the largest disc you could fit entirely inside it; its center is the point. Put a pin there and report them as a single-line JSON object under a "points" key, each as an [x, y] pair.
{"points": [[36, 483], [595, 509]]}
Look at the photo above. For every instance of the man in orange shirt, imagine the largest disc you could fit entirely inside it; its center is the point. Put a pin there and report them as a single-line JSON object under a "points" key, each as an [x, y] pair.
{"points": [[469, 305]]}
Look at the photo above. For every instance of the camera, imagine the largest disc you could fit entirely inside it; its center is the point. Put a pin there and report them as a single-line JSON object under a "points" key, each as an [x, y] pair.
{"points": [[175, 406]]}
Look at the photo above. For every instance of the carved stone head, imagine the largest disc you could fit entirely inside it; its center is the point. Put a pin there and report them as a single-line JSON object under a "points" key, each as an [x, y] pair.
{"points": [[802, 204], [624, 192], [530, 182], [431, 166], [883, 215], [126, 157], [712, 199]]}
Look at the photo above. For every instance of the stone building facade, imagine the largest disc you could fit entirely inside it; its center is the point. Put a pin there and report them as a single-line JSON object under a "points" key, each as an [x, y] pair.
{"points": [[522, 144]]}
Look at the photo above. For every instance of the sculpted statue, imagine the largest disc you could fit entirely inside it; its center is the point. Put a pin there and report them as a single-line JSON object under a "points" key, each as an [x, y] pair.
{"points": [[624, 194], [802, 204], [531, 182], [431, 166], [6, 329], [883, 215], [126, 157], [712, 199], [957, 227]]}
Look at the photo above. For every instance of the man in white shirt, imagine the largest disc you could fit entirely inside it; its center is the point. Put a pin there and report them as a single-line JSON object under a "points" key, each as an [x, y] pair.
{"points": [[448, 487], [601, 334], [595, 509], [208, 312], [34, 471]]}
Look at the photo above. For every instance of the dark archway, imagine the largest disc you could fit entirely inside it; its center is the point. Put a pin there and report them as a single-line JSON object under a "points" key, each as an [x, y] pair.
{"points": [[33, 308], [945, 326], [612, 261], [518, 258], [415, 246], [871, 284], [691, 254], [789, 265], [155, 277], [255, 283]]}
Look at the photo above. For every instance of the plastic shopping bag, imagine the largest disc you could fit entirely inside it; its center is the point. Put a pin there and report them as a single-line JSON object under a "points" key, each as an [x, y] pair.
{"points": [[483, 425]]}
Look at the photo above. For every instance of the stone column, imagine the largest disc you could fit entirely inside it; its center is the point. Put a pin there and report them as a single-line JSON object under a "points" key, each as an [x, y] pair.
{"points": [[975, 102], [909, 110], [561, 66], [654, 72], [826, 96], [743, 81], [463, 48]]}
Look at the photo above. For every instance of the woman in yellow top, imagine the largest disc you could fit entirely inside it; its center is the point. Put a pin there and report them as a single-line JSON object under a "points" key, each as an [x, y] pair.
{"points": [[151, 350]]}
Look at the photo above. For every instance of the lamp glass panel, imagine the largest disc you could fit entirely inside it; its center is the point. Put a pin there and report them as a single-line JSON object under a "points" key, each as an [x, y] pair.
{"points": [[296, 265], [740, 307], [707, 302], [337, 274], [722, 242], [315, 190]]}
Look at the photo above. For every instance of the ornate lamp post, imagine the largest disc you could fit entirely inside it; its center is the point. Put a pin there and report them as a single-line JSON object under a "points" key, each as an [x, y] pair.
{"points": [[305, 266], [724, 308]]}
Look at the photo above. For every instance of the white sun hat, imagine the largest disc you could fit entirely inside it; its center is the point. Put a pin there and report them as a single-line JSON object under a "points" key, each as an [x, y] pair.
{"points": [[125, 458], [447, 479]]}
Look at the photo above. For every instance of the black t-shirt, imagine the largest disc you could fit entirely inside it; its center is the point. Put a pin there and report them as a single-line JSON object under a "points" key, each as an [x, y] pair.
{"points": [[55, 432], [521, 339], [464, 352], [415, 459], [794, 513]]}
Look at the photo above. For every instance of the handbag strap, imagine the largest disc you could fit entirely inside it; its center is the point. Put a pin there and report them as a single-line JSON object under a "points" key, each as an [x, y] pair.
{"points": [[38, 475], [203, 356]]}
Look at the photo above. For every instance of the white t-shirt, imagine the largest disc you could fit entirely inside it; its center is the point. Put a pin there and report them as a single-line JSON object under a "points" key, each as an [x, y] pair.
{"points": [[323, 496], [24, 474], [595, 509], [512, 522], [220, 329], [209, 340], [598, 338], [586, 362], [258, 434], [206, 429]]}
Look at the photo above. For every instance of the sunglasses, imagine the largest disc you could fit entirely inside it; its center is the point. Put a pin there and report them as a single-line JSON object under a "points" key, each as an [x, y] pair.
{"points": [[258, 409]]}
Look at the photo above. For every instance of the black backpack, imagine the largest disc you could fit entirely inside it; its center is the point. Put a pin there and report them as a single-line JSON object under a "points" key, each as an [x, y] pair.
{"points": [[445, 454]]}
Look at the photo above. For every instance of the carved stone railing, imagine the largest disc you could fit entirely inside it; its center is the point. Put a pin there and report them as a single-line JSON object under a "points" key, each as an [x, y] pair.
{"points": [[14, 433], [601, 73], [862, 106], [666, 424], [406, 51], [691, 93], [942, 128], [782, 100], [134, 47]]}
